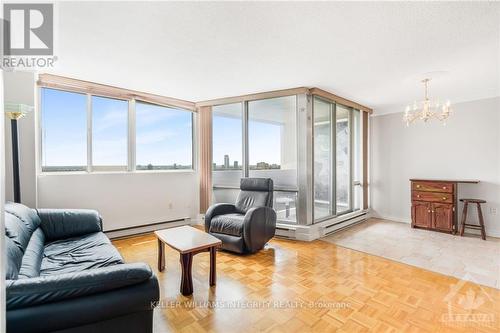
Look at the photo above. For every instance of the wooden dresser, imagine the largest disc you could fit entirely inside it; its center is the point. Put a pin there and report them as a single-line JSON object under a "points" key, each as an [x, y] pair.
{"points": [[434, 204]]}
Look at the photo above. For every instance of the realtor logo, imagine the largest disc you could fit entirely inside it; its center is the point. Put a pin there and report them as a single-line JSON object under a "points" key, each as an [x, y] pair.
{"points": [[28, 29]]}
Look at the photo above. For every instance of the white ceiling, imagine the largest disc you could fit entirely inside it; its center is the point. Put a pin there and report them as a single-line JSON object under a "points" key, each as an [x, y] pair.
{"points": [[373, 53]]}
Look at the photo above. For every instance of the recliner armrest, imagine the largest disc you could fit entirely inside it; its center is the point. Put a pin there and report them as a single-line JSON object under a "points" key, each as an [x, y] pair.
{"points": [[259, 226], [45, 289], [217, 209], [64, 223]]}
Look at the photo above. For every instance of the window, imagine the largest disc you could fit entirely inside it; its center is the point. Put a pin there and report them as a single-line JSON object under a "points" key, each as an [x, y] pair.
{"points": [[227, 144], [83, 132], [164, 138], [271, 145], [64, 130], [322, 158], [337, 159], [343, 159], [357, 160], [272, 150], [272, 140], [109, 133]]}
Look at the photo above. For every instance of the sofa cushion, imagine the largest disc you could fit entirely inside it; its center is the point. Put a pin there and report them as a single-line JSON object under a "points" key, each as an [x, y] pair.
{"points": [[229, 224], [65, 223], [77, 254], [32, 259]]}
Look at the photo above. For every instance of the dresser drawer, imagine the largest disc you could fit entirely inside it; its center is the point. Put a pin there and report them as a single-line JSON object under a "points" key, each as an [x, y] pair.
{"points": [[432, 187], [432, 196]]}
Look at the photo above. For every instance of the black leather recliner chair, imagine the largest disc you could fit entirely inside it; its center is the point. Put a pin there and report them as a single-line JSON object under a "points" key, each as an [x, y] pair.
{"points": [[63, 274], [247, 225]]}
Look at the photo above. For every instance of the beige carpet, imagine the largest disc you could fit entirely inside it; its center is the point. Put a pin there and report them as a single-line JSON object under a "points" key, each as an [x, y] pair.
{"points": [[468, 258]]}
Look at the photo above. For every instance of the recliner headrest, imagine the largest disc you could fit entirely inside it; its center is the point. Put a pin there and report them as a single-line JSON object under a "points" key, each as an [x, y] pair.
{"points": [[256, 184]]}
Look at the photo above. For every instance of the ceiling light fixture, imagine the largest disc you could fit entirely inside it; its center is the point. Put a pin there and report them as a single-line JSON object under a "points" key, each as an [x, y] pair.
{"points": [[427, 109]]}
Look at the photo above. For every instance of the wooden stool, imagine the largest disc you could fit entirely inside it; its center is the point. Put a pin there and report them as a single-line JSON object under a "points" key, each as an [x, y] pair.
{"points": [[478, 202]]}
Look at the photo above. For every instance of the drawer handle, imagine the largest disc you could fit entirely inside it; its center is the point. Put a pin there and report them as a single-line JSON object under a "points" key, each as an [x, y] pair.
{"points": [[418, 186], [418, 195], [444, 187], [428, 211], [444, 198]]}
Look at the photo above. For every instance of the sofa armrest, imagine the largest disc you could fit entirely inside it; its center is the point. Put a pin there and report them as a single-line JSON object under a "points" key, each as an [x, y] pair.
{"points": [[217, 209], [64, 223], [259, 226], [45, 289]]}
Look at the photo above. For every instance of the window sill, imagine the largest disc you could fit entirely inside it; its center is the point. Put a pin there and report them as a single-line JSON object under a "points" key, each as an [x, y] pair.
{"points": [[83, 173]]}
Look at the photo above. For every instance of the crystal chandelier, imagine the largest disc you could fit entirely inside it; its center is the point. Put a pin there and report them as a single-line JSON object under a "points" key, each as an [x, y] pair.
{"points": [[427, 109]]}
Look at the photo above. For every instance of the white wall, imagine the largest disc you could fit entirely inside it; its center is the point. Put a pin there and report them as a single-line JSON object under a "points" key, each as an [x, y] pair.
{"points": [[124, 199], [19, 87], [468, 147]]}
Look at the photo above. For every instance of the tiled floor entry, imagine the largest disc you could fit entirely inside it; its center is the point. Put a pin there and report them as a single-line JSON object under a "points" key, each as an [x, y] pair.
{"points": [[468, 258]]}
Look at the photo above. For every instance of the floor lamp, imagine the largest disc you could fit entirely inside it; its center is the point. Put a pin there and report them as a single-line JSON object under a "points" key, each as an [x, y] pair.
{"points": [[16, 111]]}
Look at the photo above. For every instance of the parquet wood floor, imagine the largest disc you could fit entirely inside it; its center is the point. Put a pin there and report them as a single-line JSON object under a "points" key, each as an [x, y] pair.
{"points": [[293, 286]]}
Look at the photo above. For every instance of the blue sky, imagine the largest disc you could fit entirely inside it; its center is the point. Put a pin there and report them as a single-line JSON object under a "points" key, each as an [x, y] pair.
{"points": [[109, 131], [264, 140], [164, 135], [64, 126]]}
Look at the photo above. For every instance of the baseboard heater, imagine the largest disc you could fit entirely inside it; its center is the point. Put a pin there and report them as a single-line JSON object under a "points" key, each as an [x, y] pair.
{"points": [[285, 233], [344, 224], [145, 228]]}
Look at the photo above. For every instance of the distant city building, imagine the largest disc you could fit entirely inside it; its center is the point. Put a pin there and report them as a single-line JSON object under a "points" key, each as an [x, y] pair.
{"points": [[226, 161], [262, 165], [236, 164], [214, 166]]}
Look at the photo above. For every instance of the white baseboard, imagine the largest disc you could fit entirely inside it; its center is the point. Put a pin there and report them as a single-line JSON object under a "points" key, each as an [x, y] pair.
{"points": [[492, 232], [391, 218], [145, 229]]}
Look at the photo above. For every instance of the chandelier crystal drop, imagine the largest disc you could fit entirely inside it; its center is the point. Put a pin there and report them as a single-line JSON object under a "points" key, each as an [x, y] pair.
{"points": [[427, 109]]}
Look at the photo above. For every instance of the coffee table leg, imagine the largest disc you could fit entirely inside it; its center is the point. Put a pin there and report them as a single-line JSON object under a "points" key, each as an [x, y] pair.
{"points": [[213, 271], [161, 256], [187, 278]]}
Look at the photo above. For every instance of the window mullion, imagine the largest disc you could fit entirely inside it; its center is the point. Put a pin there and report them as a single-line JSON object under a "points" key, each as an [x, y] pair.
{"points": [[131, 156], [245, 162], [89, 133]]}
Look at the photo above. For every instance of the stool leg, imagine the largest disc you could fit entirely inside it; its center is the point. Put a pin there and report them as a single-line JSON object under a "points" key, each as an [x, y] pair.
{"points": [[464, 218], [481, 221]]}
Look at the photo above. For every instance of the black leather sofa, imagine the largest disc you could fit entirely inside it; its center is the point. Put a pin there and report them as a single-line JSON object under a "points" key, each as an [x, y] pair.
{"points": [[247, 225], [64, 275]]}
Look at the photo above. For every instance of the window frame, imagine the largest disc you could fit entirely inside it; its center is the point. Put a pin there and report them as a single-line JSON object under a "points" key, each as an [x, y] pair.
{"points": [[352, 181], [133, 167], [130, 167], [245, 170]]}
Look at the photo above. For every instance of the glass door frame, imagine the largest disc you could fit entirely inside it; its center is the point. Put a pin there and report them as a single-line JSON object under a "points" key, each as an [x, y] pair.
{"points": [[245, 170], [333, 160]]}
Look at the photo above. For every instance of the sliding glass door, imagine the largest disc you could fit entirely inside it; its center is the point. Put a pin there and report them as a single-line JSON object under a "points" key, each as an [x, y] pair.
{"points": [[323, 181], [343, 159], [337, 159]]}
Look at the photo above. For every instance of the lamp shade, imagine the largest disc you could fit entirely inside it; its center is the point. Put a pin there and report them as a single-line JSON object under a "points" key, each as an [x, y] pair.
{"points": [[17, 110]]}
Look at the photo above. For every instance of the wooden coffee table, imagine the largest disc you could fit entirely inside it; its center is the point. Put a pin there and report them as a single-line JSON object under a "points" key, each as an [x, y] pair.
{"points": [[188, 241]]}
